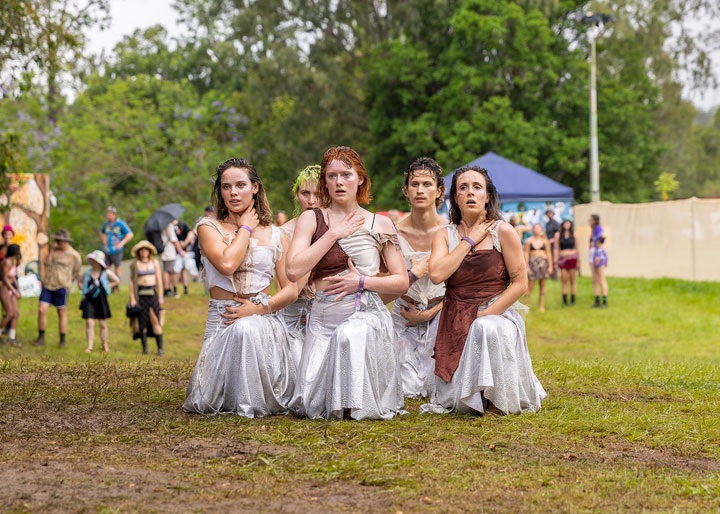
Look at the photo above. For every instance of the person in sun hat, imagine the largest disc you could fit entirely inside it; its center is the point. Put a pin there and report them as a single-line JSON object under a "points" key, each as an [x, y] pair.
{"points": [[62, 267], [146, 291], [96, 287]]}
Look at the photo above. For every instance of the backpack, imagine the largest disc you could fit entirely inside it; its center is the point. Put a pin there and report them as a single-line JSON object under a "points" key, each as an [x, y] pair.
{"points": [[155, 238]]}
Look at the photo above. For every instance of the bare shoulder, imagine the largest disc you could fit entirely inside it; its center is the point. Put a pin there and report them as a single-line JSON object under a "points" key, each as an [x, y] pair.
{"points": [[384, 224], [507, 233]]}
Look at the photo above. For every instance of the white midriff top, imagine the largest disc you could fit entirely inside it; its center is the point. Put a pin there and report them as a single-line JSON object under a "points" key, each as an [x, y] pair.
{"points": [[255, 272], [423, 289]]}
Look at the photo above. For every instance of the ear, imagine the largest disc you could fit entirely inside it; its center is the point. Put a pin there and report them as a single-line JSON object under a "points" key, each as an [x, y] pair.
{"points": [[255, 188]]}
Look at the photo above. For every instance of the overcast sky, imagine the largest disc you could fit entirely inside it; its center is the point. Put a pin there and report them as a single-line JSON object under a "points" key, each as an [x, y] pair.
{"points": [[128, 15]]}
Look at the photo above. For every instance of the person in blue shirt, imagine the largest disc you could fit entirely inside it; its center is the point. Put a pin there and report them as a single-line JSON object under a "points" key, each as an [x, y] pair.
{"points": [[115, 234]]}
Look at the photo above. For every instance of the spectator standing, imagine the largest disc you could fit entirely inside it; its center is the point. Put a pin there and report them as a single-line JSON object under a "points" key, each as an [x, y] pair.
{"points": [[539, 263], [115, 234], [7, 236], [598, 261], [551, 228], [171, 249], [281, 218], [145, 287], [208, 213], [96, 287], [566, 258], [62, 268], [185, 264], [10, 292]]}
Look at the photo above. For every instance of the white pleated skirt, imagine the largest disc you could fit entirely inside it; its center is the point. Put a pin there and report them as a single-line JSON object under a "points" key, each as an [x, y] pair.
{"points": [[495, 364], [416, 345], [349, 361], [245, 368]]}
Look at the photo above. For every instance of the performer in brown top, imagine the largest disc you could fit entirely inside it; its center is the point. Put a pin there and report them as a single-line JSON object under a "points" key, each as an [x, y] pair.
{"points": [[481, 356], [349, 365]]}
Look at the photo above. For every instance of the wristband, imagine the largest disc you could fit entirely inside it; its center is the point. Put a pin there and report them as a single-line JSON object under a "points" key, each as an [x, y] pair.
{"points": [[412, 276], [245, 227], [470, 242], [358, 295]]}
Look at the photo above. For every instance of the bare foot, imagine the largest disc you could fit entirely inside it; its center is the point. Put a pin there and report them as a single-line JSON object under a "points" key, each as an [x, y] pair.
{"points": [[88, 350]]}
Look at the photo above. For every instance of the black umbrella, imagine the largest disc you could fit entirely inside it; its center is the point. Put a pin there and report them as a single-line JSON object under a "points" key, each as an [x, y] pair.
{"points": [[162, 217]]}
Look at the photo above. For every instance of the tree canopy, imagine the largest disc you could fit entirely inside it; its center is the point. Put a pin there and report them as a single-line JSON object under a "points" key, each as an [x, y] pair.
{"points": [[279, 81]]}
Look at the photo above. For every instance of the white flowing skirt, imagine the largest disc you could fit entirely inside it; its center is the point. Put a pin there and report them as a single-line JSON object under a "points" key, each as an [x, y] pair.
{"points": [[416, 345], [495, 364], [244, 368], [292, 316], [349, 361]]}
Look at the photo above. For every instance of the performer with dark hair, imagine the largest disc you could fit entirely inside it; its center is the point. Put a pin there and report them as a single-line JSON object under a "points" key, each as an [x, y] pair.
{"points": [[481, 356]]}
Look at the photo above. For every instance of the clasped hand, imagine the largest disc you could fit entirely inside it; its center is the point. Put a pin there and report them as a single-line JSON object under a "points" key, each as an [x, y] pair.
{"points": [[246, 308], [345, 284], [348, 225], [479, 231]]}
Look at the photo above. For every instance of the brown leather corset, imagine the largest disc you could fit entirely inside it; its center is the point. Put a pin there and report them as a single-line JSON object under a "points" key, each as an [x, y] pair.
{"points": [[335, 260], [481, 277]]}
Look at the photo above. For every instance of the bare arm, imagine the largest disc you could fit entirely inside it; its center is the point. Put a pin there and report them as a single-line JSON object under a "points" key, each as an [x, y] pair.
{"points": [[556, 246], [302, 255], [515, 263], [103, 238], [225, 258], [112, 278], [159, 282], [5, 266], [125, 240], [526, 252], [549, 257], [133, 300]]}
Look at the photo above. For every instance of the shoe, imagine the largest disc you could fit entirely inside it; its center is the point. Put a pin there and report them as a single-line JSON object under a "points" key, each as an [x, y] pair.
{"points": [[40, 341], [62, 344], [160, 351], [14, 342], [595, 306]]}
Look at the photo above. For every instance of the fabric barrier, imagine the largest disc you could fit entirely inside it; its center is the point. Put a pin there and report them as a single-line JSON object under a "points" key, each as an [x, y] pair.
{"points": [[678, 239]]}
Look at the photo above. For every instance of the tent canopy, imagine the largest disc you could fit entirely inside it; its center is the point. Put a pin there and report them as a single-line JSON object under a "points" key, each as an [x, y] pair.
{"points": [[516, 183]]}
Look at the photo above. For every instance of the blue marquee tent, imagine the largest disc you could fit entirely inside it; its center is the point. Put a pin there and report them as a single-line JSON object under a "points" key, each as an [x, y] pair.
{"points": [[516, 183]]}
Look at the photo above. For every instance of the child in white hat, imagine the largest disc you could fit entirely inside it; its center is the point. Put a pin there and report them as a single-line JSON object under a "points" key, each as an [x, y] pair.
{"points": [[96, 287]]}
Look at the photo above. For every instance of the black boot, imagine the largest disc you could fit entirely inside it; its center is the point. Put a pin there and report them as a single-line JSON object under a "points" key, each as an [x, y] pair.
{"points": [[159, 340], [565, 300], [143, 340], [572, 299], [597, 302], [604, 304]]}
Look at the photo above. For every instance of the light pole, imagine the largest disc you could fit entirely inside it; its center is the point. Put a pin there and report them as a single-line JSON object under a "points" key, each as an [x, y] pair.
{"points": [[596, 20]]}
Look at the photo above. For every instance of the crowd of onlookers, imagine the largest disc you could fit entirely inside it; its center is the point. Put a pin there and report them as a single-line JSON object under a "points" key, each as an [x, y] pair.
{"points": [[550, 252]]}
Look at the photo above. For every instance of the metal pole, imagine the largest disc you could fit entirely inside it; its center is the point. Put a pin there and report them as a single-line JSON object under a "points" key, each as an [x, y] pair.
{"points": [[594, 164]]}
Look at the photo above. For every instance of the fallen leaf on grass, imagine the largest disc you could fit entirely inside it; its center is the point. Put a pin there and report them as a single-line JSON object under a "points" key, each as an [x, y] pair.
{"points": [[131, 485], [491, 446], [569, 456]]}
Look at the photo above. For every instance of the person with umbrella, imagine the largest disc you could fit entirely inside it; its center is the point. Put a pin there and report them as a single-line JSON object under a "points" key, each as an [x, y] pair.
{"points": [[163, 221]]}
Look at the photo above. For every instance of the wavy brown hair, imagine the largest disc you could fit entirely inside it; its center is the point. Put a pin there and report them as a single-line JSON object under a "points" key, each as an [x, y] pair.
{"points": [[351, 159], [261, 204], [492, 207], [433, 168]]}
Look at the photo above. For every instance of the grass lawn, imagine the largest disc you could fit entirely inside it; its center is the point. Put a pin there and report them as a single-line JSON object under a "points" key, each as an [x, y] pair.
{"points": [[632, 423]]}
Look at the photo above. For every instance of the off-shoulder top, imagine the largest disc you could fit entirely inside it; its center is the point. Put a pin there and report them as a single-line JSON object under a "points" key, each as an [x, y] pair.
{"points": [[421, 290], [363, 246], [255, 272]]}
